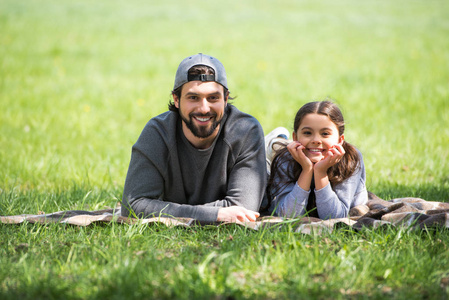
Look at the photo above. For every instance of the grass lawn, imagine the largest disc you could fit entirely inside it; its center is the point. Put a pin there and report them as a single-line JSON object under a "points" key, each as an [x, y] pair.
{"points": [[79, 80]]}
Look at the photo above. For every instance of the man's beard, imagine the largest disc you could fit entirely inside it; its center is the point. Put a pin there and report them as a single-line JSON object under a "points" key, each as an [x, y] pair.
{"points": [[201, 131]]}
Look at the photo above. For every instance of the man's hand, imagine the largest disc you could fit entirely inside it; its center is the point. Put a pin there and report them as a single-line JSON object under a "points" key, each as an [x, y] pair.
{"points": [[236, 214]]}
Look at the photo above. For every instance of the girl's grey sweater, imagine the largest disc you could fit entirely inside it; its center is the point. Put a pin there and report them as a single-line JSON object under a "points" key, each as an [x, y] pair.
{"points": [[331, 202]]}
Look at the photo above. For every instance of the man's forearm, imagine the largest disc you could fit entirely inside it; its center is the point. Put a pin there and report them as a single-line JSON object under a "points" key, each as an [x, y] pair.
{"points": [[145, 208]]}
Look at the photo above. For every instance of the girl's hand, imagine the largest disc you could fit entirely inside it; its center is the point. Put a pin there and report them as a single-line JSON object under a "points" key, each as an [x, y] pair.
{"points": [[296, 149], [332, 157]]}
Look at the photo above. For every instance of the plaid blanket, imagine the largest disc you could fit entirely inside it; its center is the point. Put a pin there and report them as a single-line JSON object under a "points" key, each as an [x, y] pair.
{"points": [[408, 212]]}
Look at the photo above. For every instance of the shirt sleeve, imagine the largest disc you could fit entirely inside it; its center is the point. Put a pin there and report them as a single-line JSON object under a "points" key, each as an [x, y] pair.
{"points": [[143, 192], [336, 203], [290, 200]]}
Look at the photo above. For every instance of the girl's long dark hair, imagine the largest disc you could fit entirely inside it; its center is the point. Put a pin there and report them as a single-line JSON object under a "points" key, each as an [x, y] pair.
{"points": [[337, 173]]}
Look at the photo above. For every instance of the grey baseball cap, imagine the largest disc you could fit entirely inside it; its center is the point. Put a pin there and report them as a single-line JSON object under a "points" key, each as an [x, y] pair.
{"points": [[200, 60]]}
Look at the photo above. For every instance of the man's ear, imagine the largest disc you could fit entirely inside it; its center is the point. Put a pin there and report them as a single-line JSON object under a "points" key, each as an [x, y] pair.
{"points": [[341, 139], [176, 101]]}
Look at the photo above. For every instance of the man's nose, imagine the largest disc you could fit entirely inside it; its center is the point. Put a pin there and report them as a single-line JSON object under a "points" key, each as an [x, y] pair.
{"points": [[204, 106]]}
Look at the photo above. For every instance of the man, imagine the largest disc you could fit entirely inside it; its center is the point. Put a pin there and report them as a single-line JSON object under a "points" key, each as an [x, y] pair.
{"points": [[202, 159]]}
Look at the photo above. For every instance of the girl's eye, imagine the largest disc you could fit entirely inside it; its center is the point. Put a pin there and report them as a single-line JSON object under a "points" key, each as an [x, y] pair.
{"points": [[326, 134], [306, 132]]}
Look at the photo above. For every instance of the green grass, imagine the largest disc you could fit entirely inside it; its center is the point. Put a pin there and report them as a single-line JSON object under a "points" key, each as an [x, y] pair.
{"points": [[79, 80], [115, 261]]}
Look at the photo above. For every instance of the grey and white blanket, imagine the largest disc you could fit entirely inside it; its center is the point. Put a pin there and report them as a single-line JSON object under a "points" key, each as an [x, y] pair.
{"points": [[405, 212]]}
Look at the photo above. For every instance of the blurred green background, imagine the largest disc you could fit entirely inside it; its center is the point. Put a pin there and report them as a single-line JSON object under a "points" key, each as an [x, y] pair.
{"points": [[79, 80]]}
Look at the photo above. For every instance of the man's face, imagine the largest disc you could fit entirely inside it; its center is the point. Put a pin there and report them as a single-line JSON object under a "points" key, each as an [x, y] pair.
{"points": [[201, 108]]}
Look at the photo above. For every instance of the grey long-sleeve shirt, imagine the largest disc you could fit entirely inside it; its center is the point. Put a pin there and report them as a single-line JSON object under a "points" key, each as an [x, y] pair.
{"points": [[168, 176], [330, 202]]}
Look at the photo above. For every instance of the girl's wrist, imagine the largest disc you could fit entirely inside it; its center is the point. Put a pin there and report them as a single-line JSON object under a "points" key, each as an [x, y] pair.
{"points": [[307, 168], [319, 173], [321, 179]]}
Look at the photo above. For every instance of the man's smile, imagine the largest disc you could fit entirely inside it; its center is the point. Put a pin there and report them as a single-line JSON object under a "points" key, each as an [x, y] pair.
{"points": [[202, 119]]}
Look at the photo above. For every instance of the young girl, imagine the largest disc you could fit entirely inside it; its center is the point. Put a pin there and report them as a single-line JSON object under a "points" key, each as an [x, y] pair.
{"points": [[318, 174]]}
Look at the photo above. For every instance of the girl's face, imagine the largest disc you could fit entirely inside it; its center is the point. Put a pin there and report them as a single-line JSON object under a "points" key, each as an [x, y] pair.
{"points": [[317, 133]]}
